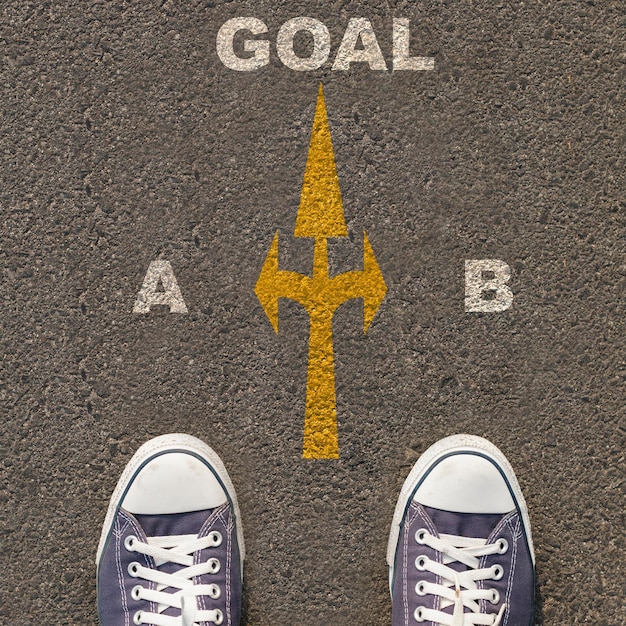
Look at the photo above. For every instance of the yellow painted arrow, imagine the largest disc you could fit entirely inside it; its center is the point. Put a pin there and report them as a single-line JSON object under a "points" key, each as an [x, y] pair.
{"points": [[321, 216]]}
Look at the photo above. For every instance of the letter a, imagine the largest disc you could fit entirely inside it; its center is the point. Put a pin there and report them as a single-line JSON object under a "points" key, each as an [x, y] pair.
{"points": [[359, 28], [160, 272], [486, 290]]}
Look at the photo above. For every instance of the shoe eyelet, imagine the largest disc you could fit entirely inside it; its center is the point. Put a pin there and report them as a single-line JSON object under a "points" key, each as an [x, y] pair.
{"points": [[129, 543], [135, 593], [219, 617], [420, 588], [133, 569], [495, 596], [420, 562], [214, 566], [497, 572], [137, 619], [215, 592], [418, 614], [216, 538], [420, 536], [503, 545]]}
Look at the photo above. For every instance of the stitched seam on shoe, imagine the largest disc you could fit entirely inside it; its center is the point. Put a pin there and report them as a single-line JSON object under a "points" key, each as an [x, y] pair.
{"points": [[229, 527], [198, 580], [516, 534], [118, 532], [405, 551], [505, 521], [217, 513], [148, 560], [501, 524], [221, 514], [412, 515], [432, 529], [209, 522]]}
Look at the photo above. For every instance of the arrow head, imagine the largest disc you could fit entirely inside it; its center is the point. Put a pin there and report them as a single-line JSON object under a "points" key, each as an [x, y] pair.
{"points": [[321, 211], [265, 288], [375, 289]]}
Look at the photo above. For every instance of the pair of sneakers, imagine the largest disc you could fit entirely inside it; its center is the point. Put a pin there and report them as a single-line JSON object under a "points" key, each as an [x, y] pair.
{"points": [[460, 551]]}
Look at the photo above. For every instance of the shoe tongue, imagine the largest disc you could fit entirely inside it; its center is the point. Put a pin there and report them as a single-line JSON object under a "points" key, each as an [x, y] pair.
{"points": [[478, 525], [173, 524]]}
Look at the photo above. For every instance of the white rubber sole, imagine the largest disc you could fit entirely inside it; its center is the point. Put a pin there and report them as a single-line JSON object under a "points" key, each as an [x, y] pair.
{"points": [[444, 447], [176, 442]]}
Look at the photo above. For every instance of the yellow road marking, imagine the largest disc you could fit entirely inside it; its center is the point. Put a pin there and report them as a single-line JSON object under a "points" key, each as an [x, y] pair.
{"points": [[321, 215]]}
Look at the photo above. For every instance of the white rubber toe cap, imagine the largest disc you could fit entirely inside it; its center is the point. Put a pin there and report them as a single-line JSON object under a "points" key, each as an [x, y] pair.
{"points": [[173, 482], [174, 473], [463, 474], [465, 483]]}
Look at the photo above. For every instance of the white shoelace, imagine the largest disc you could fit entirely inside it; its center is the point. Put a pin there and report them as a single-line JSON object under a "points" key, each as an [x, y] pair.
{"points": [[459, 589], [176, 549]]}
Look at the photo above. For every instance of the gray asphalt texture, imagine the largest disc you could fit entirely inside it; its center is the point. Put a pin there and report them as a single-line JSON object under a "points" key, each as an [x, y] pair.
{"points": [[124, 139]]}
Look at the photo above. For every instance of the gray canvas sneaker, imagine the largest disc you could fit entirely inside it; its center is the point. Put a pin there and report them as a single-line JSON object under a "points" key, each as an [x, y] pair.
{"points": [[460, 550], [171, 550]]}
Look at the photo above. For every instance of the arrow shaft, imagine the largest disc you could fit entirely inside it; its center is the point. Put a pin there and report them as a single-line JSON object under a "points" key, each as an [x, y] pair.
{"points": [[320, 261], [320, 416]]}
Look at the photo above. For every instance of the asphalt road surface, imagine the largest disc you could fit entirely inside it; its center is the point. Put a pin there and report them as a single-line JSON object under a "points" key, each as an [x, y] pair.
{"points": [[125, 139]]}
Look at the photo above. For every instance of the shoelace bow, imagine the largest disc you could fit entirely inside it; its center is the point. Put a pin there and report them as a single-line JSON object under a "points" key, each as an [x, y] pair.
{"points": [[176, 549], [459, 589]]}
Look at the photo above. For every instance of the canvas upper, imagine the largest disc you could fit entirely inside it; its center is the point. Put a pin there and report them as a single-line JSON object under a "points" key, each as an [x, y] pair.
{"points": [[460, 550], [171, 551]]}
